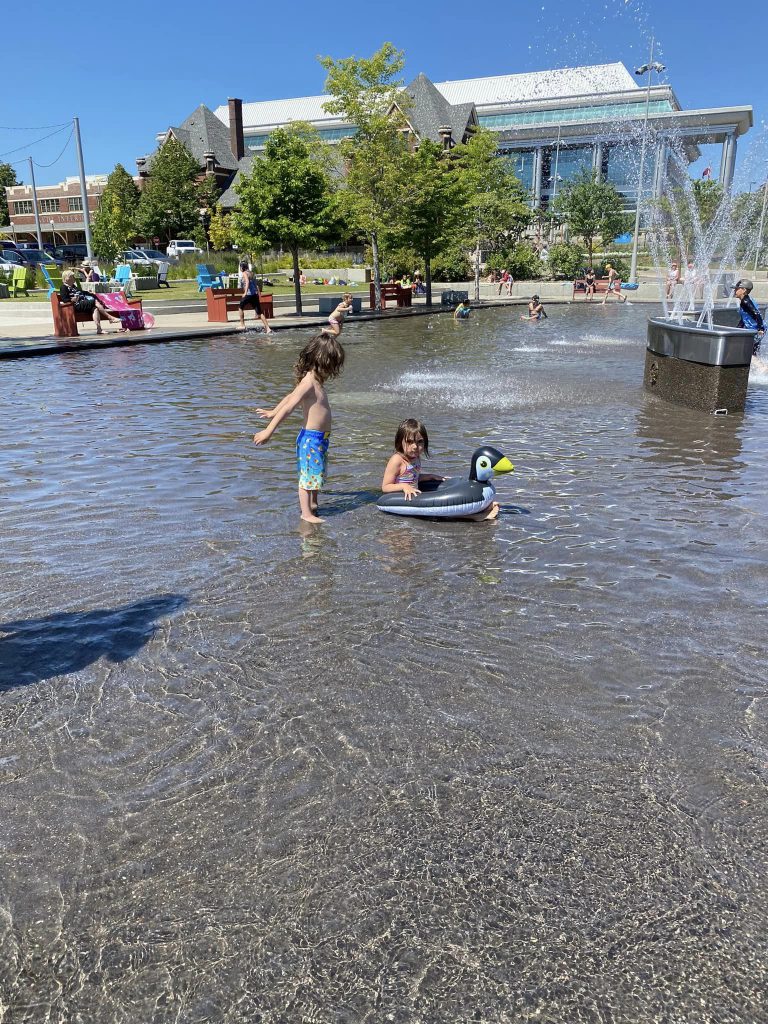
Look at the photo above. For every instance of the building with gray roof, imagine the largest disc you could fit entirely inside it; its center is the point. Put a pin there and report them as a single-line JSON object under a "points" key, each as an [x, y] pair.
{"points": [[550, 124]]}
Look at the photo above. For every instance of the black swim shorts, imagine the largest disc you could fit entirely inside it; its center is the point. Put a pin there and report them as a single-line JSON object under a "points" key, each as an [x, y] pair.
{"points": [[251, 300]]}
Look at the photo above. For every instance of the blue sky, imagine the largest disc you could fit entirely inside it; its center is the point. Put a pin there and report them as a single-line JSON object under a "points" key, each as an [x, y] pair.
{"points": [[152, 63]]}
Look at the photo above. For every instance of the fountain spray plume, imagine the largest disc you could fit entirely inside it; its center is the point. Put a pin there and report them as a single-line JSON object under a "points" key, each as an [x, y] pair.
{"points": [[698, 223]]}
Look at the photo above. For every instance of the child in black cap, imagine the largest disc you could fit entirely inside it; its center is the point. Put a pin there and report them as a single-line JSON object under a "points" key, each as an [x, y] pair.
{"points": [[751, 319]]}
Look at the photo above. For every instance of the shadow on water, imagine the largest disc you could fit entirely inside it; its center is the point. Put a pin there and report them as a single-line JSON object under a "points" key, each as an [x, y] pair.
{"points": [[346, 501], [65, 642]]}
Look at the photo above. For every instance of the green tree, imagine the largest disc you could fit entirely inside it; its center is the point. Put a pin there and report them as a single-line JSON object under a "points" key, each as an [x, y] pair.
{"points": [[367, 94], [285, 199], [566, 259], [496, 208], [690, 211], [593, 209], [169, 204], [7, 179], [114, 223], [219, 231], [431, 211]]}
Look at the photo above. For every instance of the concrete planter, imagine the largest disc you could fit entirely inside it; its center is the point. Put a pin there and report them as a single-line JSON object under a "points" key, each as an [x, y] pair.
{"points": [[696, 367], [145, 284]]}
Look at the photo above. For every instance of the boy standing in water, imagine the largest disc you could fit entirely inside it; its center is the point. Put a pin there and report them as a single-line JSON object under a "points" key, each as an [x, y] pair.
{"points": [[321, 359]]}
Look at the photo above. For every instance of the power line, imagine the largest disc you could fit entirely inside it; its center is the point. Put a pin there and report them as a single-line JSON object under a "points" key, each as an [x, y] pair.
{"points": [[61, 154], [41, 128], [28, 144]]}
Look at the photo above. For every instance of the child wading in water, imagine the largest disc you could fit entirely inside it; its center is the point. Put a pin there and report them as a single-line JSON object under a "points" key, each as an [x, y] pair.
{"points": [[403, 472], [321, 359], [336, 319]]}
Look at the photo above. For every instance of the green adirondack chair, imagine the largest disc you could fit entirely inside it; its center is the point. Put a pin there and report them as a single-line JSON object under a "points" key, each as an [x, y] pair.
{"points": [[18, 282]]}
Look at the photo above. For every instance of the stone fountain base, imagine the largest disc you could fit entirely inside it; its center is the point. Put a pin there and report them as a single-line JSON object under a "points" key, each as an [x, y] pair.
{"points": [[696, 367]]}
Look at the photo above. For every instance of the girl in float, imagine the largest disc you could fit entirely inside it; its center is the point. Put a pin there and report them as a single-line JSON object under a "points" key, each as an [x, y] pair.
{"points": [[403, 475]]}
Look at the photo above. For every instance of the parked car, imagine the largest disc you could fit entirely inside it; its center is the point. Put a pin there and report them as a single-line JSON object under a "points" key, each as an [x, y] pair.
{"points": [[180, 247], [34, 257], [154, 254], [136, 256], [10, 257], [72, 253], [6, 243]]}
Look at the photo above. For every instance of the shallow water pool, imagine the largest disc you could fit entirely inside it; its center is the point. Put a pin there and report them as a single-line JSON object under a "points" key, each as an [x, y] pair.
{"points": [[382, 770]]}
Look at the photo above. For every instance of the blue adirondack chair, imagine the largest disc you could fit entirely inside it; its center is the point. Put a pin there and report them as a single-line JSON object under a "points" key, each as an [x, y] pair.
{"points": [[52, 275], [209, 277], [123, 278]]}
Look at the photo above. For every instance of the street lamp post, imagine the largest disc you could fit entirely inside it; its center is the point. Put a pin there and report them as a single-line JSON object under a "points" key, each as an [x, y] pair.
{"points": [[554, 178], [650, 67]]}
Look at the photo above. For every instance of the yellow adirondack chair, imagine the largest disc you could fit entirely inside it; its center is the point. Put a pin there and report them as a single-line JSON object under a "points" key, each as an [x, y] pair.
{"points": [[18, 282]]}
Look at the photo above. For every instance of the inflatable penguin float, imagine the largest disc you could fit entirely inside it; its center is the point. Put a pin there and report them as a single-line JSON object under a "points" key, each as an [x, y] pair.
{"points": [[453, 498]]}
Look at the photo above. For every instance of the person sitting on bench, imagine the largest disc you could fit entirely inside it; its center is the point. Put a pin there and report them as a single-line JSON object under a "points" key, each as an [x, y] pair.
{"points": [[85, 302]]}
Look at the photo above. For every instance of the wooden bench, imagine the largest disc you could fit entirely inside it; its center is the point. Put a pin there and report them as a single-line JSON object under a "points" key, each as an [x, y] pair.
{"points": [[221, 300], [66, 317], [580, 285], [401, 296]]}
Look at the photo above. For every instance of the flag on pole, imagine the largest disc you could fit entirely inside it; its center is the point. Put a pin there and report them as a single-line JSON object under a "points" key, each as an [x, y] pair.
{"points": [[707, 172]]}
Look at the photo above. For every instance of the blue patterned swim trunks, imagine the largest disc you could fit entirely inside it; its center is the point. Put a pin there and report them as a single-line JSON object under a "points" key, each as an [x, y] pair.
{"points": [[311, 454]]}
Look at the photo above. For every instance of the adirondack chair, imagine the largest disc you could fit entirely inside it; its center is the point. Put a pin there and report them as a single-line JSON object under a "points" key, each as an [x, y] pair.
{"points": [[162, 274], [209, 277], [52, 275], [123, 278], [18, 282]]}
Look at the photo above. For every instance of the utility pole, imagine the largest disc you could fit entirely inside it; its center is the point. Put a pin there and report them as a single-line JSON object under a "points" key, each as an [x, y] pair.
{"points": [[83, 189], [34, 204]]}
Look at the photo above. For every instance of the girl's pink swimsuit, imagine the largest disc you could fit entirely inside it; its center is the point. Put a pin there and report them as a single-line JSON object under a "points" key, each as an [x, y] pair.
{"points": [[411, 474]]}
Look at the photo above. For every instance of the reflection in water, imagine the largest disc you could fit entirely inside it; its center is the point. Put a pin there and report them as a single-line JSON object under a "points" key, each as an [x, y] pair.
{"points": [[380, 769]]}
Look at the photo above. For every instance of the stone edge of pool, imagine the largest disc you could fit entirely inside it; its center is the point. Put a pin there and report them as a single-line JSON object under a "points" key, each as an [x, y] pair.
{"points": [[45, 345]]}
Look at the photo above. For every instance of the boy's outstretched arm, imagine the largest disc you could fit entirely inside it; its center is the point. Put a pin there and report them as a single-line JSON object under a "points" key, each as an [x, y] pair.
{"points": [[267, 414], [284, 409]]}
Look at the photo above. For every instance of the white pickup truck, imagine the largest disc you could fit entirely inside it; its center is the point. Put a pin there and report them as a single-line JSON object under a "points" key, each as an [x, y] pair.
{"points": [[180, 247]]}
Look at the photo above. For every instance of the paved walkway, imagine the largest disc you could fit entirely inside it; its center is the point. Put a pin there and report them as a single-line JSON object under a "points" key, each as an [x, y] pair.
{"points": [[26, 327]]}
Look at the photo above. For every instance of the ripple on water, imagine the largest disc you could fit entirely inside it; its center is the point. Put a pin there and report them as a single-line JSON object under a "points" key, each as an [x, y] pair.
{"points": [[426, 771]]}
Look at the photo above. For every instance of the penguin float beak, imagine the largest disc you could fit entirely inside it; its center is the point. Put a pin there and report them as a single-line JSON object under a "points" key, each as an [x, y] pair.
{"points": [[503, 466]]}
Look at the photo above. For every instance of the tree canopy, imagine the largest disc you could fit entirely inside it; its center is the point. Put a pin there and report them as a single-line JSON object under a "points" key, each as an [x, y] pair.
{"points": [[114, 223], [169, 205], [285, 199], [366, 92], [7, 179], [592, 209], [497, 211], [431, 209]]}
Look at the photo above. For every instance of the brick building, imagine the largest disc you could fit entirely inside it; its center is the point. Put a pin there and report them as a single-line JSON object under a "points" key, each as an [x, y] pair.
{"points": [[60, 208]]}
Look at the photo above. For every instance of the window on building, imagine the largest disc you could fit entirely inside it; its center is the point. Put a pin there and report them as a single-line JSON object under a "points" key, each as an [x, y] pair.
{"points": [[49, 205], [23, 206], [75, 204], [606, 112], [522, 165]]}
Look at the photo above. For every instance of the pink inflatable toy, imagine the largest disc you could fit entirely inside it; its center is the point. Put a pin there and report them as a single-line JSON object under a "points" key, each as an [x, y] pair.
{"points": [[131, 317]]}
